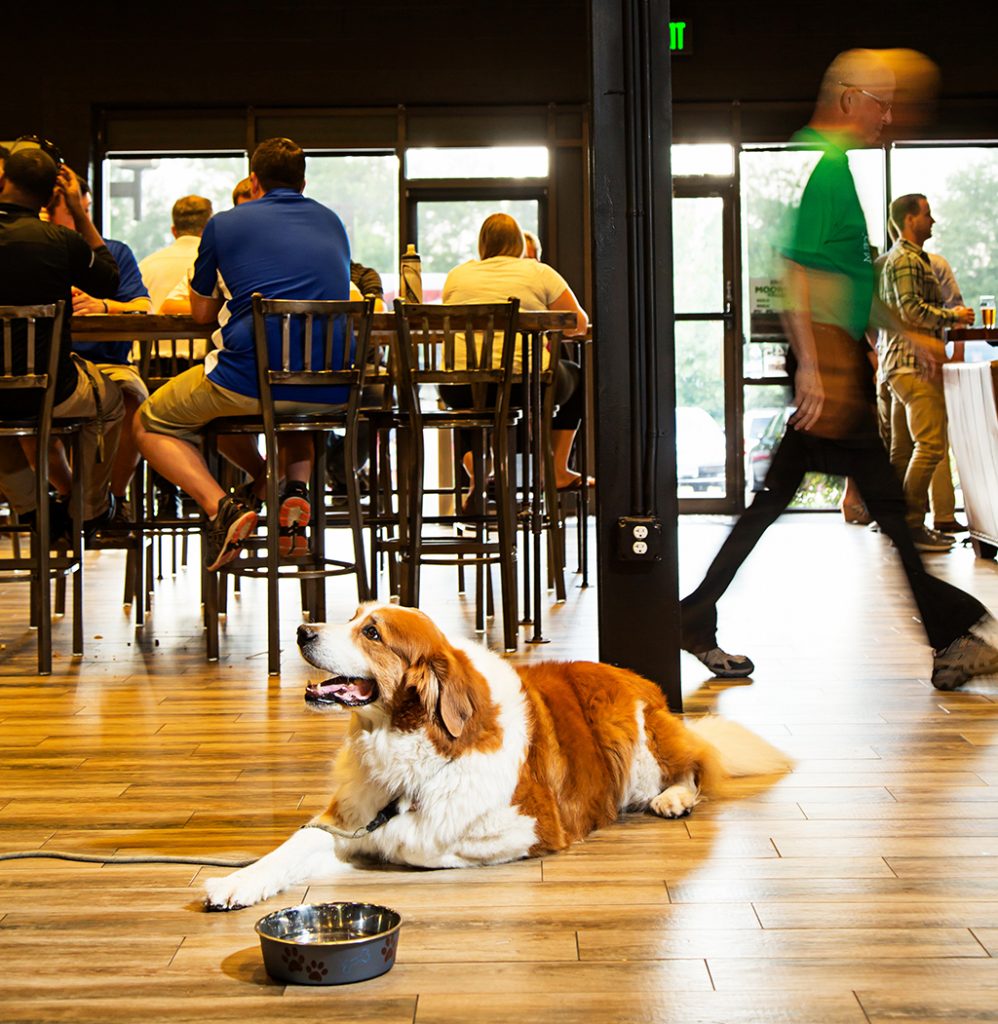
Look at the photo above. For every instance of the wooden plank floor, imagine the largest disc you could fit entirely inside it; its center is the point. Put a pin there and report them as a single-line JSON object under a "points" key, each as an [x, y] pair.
{"points": [[862, 887]]}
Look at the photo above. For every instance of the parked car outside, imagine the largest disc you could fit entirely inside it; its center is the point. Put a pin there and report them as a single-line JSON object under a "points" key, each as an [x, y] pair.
{"points": [[754, 423], [760, 456], [700, 449]]}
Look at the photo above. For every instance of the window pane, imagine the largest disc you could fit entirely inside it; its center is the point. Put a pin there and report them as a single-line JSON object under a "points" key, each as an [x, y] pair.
{"points": [[961, 185], [448, 233], [140, 193], [698, 254], [480, 162], [772, 182], [867, 166], [363, 190], [700, 441], [703, 158]]}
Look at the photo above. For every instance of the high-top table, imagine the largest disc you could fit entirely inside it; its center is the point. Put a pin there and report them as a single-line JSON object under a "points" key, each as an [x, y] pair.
{"points": [[988, 334], [137, 327], [972, 411]]}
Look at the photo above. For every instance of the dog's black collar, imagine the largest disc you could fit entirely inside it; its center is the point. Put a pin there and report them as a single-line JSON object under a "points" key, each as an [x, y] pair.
{"points": [[381, 818]]}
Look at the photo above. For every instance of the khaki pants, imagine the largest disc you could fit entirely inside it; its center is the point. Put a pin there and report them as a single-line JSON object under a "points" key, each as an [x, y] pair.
{"points": [[17, 478], [942, 499], [127, 377], [918, 450], [184, 405]]}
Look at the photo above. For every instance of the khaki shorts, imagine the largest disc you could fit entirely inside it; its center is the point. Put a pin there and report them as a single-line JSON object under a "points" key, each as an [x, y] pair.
{"points": [[182, 406], [127, 377]]}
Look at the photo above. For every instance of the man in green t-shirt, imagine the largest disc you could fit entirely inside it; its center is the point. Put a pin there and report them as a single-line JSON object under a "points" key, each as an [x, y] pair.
{"points": [[830, 290]]}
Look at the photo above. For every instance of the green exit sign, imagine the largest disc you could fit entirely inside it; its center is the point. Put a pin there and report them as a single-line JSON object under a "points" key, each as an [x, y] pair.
{"points": [[679, 37]]}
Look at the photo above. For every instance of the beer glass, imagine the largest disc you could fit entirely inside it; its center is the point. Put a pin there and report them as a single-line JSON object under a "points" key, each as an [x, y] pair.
{"points": [[988, 310]]}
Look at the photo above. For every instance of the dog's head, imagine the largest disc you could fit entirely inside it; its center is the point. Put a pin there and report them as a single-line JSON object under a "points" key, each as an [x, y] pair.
{"points": [[392, 665]]}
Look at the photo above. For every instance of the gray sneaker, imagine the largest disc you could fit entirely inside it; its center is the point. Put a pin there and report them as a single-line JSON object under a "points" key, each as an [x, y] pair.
{"points": [[724, 665], [930, 540], [224, 535], [968, 655]]}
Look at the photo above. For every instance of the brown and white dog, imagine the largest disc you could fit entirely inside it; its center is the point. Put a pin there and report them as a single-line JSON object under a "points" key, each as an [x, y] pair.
{"points": [[482, 762]]}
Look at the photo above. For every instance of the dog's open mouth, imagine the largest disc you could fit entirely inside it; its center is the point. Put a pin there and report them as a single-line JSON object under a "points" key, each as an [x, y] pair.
{"points": [[351, 693]]}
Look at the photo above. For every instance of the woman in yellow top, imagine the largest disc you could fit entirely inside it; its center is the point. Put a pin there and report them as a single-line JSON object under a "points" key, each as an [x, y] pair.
{"points": [[501, 272]]}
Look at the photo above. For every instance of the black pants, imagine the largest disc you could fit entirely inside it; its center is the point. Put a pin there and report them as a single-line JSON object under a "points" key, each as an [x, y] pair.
{"points": [[946, 611]]}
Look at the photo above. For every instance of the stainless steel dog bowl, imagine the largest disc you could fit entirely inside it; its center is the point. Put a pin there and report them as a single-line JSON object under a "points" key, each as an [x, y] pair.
{"points": [[329, 943]]}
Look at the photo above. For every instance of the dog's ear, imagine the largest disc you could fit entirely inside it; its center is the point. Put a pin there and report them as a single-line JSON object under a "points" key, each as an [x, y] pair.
{"points": [[459, 685], [446, 684], [422, 680]]}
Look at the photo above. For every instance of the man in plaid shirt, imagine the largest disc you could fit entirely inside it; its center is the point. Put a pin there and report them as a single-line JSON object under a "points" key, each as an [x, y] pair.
{"points": [[910, 288]]}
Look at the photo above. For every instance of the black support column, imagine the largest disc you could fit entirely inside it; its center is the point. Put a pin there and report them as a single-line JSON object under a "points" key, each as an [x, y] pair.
{"points": [[634, 341]]}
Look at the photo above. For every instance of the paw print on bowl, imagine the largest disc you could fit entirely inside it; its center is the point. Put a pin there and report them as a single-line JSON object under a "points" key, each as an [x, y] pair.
{"points": [[389, 947], [293, 960], [317, 970]]}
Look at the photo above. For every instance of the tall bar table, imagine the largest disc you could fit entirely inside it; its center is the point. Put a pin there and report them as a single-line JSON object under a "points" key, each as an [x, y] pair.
{"points": [[972, 411]]}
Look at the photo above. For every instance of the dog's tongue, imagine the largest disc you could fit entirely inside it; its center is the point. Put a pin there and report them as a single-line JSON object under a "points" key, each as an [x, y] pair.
{"points": [[341, 690]]}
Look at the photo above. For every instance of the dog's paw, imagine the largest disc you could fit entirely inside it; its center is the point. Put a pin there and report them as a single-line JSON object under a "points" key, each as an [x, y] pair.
{"points": [[675, 802], [232, 892]]}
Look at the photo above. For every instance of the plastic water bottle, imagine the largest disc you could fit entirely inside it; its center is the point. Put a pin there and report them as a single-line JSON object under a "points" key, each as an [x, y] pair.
{"points": [[411, 276]]}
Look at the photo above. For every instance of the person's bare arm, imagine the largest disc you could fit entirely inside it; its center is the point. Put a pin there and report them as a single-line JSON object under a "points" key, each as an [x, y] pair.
{"points": [[568, 303], [178, 302], [68, 186], [809, 393], [204, 308], [85, 305], [176, 306]]}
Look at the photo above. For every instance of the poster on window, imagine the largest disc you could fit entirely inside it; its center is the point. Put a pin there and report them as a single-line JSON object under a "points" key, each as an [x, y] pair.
{"points": [[766, 295]]}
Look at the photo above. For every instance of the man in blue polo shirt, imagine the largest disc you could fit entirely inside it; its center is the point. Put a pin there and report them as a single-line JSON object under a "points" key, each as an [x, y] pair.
{"points": [[285, 247]]}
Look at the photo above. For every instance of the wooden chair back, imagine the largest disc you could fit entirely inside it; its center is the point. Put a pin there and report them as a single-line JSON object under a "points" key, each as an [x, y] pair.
{"points": [[20, 325], [456, 344], [311, 343]]}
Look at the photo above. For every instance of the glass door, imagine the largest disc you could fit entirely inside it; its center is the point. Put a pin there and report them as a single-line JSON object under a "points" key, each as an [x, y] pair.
{"points": [[708, 434]]}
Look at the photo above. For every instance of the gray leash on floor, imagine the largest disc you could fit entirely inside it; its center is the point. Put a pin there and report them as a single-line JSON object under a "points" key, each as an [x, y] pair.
{"points": [[382, 817], [91, 858]]}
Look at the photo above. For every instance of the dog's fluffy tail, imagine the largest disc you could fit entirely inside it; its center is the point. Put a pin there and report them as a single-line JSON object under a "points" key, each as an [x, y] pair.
{"points": [[740, 751]]}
